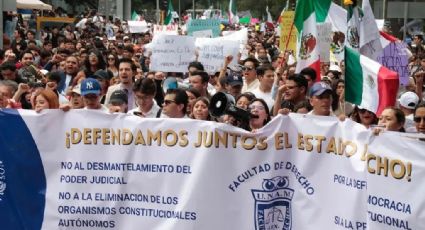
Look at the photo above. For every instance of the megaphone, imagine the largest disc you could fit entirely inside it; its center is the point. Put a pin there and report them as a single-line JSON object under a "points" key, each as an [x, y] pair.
{"points": [[223, 103], [173, 83]]}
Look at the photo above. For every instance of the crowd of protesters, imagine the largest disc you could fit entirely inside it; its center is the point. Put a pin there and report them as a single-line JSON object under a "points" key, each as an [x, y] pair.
{"points": [[81, 67]]}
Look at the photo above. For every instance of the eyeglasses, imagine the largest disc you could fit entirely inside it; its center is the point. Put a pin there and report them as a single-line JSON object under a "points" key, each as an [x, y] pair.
{"points": [[419, 119], [167, 102], [257, 107], [247, 68], [111, 58]]}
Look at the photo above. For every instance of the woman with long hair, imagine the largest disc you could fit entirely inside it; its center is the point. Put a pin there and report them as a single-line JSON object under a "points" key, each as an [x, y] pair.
{"points": [[261, 114], [112, 64]]}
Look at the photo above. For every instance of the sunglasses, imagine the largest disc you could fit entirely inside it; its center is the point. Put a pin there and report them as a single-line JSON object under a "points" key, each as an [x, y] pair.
{"points": [[167, 102], [419, 119], [246, 68]]}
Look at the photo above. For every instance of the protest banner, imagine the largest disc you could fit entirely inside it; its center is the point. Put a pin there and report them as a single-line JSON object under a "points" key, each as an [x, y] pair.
{"points": [[90, 170], [288, 33], [204, 24], [137, 26], [213, 51], [172, 53], [324, 37]]}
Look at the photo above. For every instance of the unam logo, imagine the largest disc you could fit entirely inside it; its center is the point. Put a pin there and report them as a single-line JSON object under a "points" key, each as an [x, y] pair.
{"points": [[273, 204], [2, 180]]}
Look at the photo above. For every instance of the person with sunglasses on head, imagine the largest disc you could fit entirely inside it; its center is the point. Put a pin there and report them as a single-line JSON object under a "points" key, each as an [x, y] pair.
{"points": [[364, 117], [175, 103], [419, 117], [249, 71]]}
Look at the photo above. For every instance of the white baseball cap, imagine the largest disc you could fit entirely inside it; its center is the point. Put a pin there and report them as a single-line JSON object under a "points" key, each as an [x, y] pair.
{"points": [[409, 100]]}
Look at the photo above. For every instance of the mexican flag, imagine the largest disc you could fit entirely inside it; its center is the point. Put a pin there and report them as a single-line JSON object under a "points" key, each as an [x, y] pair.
{"points": [[307, 14], [169, 17], [368, 83]]}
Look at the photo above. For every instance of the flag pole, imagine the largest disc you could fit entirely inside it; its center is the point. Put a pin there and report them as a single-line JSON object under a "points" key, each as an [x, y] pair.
{"points": [[289, 36]]}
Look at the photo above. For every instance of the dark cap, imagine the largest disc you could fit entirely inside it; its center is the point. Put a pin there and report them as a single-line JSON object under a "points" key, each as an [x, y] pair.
{"points": [[102, 74], [118, 97], [319, 88], [234, 79]]}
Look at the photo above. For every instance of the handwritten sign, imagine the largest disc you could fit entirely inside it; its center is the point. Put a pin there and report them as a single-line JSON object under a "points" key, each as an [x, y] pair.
{"points": [[212, 52], [288, 31], [395, 58], [202, 25], [172, 53], [324, 33]]}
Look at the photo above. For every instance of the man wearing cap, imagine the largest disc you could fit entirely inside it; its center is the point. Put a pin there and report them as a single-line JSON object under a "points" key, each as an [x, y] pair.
{"points": [[118, 103], [321, 99], [234, 84], [265, 75], [76, 100], [90, 90], [407, 103], [126, 72]]}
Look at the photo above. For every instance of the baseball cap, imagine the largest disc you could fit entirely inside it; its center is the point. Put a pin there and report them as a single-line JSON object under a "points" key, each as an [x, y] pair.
{"points": [[77, 89], [118, 97], [234, 79], [90, 86], [102, 74], [409, 100], [319, 88]]}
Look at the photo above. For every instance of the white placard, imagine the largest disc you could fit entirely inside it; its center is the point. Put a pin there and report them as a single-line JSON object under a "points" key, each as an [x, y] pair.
{"points": [[213, 51], [138, 27], [172, 53]]}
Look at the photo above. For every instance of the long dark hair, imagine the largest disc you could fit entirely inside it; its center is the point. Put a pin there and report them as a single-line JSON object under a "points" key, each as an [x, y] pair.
{"points": [[101, 64]]}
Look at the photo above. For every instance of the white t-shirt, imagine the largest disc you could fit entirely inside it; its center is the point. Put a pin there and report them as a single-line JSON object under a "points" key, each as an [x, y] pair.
{"points": [[265, 96], [150, 114]]}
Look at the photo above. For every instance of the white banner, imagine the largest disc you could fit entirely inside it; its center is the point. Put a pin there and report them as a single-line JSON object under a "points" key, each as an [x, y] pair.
{"points": [[90, 170], [324, 37], [213, 51], [172, 53]]}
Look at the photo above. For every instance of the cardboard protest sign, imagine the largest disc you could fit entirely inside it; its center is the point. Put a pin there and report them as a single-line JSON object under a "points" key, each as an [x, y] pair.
{"points": [[288, 33]]}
